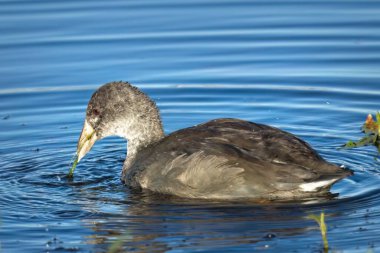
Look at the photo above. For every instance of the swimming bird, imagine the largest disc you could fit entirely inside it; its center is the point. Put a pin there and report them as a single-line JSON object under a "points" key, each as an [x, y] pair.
{"points": [[221, 159]]}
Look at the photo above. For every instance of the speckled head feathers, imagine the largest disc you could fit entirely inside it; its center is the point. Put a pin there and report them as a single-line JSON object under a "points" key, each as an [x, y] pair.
{"points": [[117, 108]]}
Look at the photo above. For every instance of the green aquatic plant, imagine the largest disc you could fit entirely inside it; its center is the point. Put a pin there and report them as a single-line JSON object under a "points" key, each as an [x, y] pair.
{"points": [[117, 245], [322, 227], [371, 129], [73, 166]]}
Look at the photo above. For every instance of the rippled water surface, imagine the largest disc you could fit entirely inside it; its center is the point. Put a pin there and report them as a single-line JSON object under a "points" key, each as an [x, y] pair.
{"points": [[308, 67]]}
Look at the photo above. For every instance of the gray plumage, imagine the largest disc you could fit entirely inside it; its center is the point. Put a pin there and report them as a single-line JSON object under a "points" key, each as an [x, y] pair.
{"points": [[220, 159]]}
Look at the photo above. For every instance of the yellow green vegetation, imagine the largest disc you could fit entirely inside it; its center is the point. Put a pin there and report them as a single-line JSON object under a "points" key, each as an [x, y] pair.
{"points": [[73, 166], [117, 245], [322, 227], [371, 129]]}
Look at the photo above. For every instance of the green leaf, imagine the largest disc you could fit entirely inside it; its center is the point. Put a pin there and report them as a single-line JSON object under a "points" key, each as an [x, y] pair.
{"points": [[350, 144], [378, 117], [365, 141], [371, 128]]}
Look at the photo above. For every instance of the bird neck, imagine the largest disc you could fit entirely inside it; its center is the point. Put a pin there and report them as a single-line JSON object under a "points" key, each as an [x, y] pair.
{"points": [[143, 129], [145, 138]]}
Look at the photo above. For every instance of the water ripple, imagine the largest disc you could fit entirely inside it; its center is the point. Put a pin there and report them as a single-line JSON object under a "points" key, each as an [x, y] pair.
{"points": [[310, 68]]}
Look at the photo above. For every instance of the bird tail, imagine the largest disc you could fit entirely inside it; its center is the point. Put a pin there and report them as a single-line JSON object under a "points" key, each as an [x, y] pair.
{"points": [[331, 174]]}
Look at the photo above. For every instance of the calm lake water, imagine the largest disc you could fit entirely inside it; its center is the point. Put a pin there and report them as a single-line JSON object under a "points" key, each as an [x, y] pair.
{"points": [[308, 67]]}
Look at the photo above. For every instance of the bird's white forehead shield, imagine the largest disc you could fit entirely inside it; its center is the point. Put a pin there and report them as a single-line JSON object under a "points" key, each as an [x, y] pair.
{"points": [[86, 140]]}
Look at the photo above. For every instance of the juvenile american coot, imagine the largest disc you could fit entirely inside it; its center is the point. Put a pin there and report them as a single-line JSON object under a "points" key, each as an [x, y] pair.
{"points": [[220, 159]]}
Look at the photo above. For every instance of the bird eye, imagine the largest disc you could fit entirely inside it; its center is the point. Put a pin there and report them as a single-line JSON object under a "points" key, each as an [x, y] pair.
{"points": [[95, 112]]}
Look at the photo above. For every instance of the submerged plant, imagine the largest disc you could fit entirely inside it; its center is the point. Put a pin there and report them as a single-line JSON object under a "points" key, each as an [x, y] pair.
{"points": [[73, 166], [322, 227], [371, 129], [117, 245]]}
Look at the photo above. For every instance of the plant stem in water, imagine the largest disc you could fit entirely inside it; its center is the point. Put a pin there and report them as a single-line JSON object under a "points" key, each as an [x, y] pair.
{"points": [[322, 227], [73, 166]]}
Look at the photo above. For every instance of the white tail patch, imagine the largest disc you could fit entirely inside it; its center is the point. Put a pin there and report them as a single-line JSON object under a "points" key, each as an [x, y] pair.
{"points": [[314, 186]]}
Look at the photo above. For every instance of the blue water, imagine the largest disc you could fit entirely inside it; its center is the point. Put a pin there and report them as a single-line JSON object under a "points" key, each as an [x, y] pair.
{"points": [[308, 67]]}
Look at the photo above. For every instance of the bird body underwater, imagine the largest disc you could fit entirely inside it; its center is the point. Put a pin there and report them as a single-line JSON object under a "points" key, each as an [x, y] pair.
{"points": [[220, 159]]}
